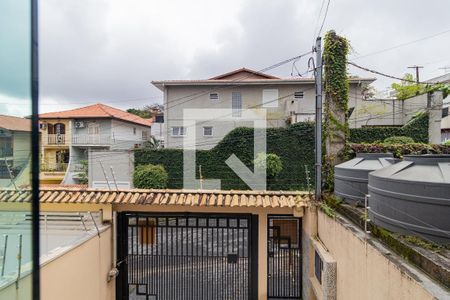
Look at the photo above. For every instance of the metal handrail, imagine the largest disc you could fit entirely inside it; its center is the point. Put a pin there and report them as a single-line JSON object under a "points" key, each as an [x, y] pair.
{"points": [[19, 261], [5, 248]]}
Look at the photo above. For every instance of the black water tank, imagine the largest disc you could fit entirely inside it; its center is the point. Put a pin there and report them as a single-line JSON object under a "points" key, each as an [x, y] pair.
{"points": [[412, 197], [351, 177]]}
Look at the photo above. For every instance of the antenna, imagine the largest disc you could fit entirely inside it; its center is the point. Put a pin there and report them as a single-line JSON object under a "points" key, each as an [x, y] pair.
{"points": [[10, 175], [114, 177], [104, 174]]}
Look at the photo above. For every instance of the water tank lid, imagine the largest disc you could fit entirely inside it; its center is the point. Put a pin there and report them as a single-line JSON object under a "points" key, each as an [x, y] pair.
{"points": [[373, 155]]}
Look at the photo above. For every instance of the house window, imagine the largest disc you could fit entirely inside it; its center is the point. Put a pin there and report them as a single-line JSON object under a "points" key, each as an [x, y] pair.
{"points": [[214, 96], [207, 131], [236, 104], [144, 135], [93, 129], [318, 266], [134, 130], [178, 131], [298, 95], [445, 112], [270, 98]]}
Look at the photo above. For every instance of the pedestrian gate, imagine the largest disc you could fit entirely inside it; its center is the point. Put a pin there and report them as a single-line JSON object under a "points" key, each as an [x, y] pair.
{"points": [[284, 258], [186, 256]]}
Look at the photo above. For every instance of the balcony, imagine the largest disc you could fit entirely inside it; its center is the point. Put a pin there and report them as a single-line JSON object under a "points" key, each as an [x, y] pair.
{"points": [[53, 167], [91, 139], [56, 139]]}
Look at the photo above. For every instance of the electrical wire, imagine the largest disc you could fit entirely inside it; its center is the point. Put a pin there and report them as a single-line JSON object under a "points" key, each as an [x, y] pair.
{"points": [[402, 45]]}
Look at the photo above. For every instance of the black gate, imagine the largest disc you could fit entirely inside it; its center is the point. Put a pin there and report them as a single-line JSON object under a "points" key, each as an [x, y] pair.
{"points": [[186, 256], [284, 258]]}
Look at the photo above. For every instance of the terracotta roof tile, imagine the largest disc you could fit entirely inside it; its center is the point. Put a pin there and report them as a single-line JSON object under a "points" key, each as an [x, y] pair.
{"points": [[213, 198], [15, 123], [97, 111]]}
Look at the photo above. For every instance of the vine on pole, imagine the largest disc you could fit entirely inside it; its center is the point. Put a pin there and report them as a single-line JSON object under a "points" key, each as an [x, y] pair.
{"points": [[336, 87]]}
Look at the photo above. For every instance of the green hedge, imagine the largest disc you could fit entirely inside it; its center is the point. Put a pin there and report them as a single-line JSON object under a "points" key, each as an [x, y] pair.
{"points": [[399, 150], [294, 145], [417, 129]]}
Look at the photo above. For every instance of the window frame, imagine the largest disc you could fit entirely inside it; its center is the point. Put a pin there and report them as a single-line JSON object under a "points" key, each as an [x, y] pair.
{"points": [[214, 93], [172, 130], [271, 103], [212, 131], [236, 111], [301, 96]]}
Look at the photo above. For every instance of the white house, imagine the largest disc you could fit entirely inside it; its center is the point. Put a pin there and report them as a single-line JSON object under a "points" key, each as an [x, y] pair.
{"points": [[286, 100]]}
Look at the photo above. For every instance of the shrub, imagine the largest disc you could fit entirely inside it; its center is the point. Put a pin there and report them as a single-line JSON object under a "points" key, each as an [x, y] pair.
{"points": [[446, 143], [150, 177], [273, 163], [399, 150], [399, 140], [416, 128]]}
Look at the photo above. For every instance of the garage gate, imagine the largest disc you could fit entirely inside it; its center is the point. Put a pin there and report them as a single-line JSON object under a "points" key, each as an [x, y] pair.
{"points": [[187, 256]]}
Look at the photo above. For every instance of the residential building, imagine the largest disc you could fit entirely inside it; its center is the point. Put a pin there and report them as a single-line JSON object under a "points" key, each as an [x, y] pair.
{"points": [[445, 122], [67, 136], [286, 100], [15, 150]]}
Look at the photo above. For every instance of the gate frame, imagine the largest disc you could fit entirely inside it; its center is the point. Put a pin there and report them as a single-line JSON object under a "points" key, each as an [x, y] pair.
{"points": [[291, 216], [122, 286]]}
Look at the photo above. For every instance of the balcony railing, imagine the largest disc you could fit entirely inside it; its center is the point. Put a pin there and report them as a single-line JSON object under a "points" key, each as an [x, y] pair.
{"points": [[53, 167], [91, 139], [56, 139]]}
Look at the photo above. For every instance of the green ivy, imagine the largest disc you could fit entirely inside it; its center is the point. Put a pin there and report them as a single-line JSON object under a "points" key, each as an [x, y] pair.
{"points": [[417, 129], [294, 145]]}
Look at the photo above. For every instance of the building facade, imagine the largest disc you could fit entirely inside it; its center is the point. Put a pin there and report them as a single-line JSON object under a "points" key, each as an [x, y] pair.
{"points": [[67, 137], [285, 100], [14, 150]]}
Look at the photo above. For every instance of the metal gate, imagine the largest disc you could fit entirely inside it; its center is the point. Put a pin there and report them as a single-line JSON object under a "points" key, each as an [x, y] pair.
{"points": [[284, 258], [186, 256]]}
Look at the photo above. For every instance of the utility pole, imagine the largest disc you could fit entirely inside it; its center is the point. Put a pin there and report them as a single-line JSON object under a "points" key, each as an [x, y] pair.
{"points": [[318, 144], [417, 72]]}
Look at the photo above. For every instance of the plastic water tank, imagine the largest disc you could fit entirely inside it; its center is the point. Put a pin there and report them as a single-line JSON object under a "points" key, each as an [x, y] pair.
{"points": [[412, 197], [351, 177]]}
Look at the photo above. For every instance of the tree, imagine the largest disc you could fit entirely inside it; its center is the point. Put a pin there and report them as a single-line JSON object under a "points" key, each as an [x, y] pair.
{"points": [[271, 161], [407, 88], [152, 143], [150, 177], [143, 113]]}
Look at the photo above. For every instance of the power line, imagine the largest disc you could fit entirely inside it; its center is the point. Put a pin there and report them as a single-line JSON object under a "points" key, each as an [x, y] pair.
{"points": [[387, 75], [324, 18], [402, 45]]}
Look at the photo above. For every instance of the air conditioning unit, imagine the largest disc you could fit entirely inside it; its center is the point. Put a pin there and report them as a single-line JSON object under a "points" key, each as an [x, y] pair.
{"points": [[79, 124]]}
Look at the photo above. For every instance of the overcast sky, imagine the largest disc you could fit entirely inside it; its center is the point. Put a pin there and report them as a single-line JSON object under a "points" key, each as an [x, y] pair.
{"points": [[110, 50]]}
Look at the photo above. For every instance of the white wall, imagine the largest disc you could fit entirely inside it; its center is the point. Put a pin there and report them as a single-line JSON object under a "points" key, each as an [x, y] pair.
{"points": [[175, 102], [123, 136]]}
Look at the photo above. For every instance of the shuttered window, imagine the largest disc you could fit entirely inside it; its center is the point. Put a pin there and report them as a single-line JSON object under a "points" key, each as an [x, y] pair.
{"points": [[270, 98], [236, 104], [298, 95]]}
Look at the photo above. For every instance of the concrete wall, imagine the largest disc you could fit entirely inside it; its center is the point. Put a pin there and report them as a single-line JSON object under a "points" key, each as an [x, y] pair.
{"points": [[121, 162], [124, 136], [175, 101], [81, 273], [367, 270]]}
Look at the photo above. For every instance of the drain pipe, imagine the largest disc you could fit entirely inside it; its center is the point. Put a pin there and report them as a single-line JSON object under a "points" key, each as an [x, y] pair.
{"points": [[114, 272]]}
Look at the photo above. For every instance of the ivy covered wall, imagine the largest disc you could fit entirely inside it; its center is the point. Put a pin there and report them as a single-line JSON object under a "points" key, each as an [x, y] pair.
{"points": [[417, 129], [294, 145]]}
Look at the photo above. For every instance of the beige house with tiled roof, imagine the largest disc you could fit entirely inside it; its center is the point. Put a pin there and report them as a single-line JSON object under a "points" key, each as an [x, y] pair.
{"points": [[286, 100], [67, 136], [15, 148]]}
